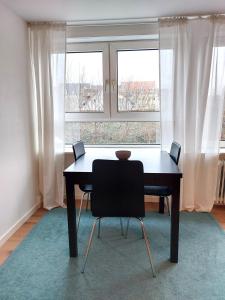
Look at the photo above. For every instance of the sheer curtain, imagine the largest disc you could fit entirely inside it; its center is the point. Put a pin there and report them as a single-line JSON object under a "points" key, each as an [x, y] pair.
{"points": [[47, 44], [192, 71]]}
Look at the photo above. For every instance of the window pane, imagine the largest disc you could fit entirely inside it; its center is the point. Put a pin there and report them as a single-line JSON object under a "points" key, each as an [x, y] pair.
{"points": [[138, 80], [84, 82], [216, 87], [109, 133]]}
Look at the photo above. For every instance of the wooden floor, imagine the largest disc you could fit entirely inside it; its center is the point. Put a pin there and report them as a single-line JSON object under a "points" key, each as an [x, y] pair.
{"points": [[19, 235], [218, 212]]}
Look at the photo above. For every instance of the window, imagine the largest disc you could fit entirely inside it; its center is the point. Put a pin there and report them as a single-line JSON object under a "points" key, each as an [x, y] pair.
{"points": [[112, 93], [85, 83], [223, 129], [216, 87]]}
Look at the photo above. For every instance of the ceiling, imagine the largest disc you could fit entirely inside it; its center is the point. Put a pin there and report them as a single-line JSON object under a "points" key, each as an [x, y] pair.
{"points": [[96, 10]]}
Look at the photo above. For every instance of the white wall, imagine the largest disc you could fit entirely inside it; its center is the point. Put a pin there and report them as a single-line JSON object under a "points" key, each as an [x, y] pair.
{"points": [[17, 166]]}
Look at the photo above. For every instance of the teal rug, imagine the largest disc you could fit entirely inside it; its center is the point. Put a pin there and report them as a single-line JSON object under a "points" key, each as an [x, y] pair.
{"points": [[118, 268]]}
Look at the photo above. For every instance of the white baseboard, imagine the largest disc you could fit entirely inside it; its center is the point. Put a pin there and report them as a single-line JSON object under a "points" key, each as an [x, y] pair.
{"points": [[19, 223]]}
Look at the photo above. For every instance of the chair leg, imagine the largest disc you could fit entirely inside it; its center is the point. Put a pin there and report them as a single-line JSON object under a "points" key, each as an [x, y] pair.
{"points": [[147, 247], [168, 205], [81, 204], [121, 226], [128, 222], [88, 199], [89, 244]]}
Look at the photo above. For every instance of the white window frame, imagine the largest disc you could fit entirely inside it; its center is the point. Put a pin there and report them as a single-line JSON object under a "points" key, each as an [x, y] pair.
{"points": [[128, 116], [91, 116], [110, 86]]}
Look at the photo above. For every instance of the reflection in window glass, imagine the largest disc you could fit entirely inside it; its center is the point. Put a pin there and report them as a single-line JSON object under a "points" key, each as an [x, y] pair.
{"points": [[84, 82], [109, 133], [138, 80]]}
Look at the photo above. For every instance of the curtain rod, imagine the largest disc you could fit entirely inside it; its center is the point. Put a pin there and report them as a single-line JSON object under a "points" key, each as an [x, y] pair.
{"points": [[144, 21], [112, 22], [124, 22]]}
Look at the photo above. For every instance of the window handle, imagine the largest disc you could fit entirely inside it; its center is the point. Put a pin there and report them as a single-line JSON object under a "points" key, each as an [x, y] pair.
{"points": [[106, 84], [113, 83]]}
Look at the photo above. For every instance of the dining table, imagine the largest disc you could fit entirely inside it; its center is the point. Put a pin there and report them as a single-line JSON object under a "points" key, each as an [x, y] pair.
{"points": [[159, 169]]}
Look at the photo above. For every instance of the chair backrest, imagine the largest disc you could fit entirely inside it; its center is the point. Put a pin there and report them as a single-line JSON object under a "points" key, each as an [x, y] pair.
{"points": [[175, 152], [118, 188], [78, 150]]}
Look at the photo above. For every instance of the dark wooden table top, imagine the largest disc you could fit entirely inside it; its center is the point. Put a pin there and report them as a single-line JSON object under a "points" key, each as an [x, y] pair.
{"points": [[154, 160]]}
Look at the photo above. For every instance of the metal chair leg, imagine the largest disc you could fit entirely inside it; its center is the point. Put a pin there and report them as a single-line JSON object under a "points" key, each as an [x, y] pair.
{"points": [[81, 204], [99, 227], [128, 222], [89, 244], [121, 226], [168, 205], [147, 247]]}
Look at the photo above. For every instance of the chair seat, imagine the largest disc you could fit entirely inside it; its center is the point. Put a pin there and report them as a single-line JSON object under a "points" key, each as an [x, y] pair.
{"points": [[155, 190], [86, 188]]}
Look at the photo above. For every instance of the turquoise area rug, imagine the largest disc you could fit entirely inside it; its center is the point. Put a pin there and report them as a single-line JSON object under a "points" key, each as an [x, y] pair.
{"points": [[117, 268]]}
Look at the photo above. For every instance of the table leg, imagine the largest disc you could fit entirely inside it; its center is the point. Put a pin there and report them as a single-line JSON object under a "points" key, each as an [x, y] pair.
{"points": [[175, 213], [71, 217]]}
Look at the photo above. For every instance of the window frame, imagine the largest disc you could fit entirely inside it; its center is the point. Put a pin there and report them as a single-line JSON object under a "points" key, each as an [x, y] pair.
{"points": [[114, 47], [91, 116], [110, 80]]}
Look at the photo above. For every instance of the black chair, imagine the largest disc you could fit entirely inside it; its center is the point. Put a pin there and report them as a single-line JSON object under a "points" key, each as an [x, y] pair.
{"points": [[163, 191], [118, 191], [79, 151]]}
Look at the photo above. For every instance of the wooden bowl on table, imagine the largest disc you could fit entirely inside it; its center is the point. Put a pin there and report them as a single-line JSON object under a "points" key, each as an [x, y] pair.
{"points": [[123, 154]]}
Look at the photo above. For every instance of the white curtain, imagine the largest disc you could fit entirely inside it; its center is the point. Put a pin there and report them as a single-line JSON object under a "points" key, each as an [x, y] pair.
{"points": [[192, 75], [47, 44]]}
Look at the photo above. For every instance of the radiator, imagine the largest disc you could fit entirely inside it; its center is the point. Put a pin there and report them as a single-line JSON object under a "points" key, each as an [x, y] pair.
{"points": [[220, 189]]}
